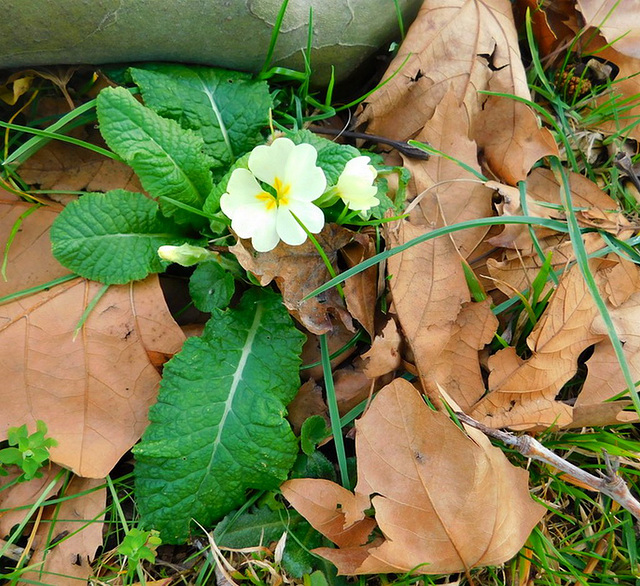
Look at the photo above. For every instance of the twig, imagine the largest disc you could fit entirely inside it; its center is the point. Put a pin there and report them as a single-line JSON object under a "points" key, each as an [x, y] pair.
{"points": [[400, 146], [610, 483]]}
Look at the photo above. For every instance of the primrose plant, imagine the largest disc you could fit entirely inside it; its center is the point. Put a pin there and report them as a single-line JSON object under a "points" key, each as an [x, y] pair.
{"points": [[213, 173]]}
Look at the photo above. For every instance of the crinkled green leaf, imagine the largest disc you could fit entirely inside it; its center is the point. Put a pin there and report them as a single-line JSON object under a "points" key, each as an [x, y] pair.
{"points": [[262, 526], [168, 159], [113, 237], [218, 427], [227, 108], [332, 156], [211, 287]]}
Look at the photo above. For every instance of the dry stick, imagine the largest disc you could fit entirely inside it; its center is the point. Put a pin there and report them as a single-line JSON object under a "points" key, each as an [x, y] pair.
{"points": [[401, 146], [610, 483]]}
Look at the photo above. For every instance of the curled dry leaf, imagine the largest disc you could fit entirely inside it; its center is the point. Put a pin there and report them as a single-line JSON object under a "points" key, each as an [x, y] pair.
{"points": [[93, 391], [467, 46], [78, 522], [522, 392], [298, 270], [444, 501], [594, 208]]}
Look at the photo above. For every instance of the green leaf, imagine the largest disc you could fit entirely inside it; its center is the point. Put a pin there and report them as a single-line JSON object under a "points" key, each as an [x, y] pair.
{"points": [[314, 430], [332, 156], [113, 237], [227, 108], [168, 159], [263, 526], [211, 287], [218, 428]]}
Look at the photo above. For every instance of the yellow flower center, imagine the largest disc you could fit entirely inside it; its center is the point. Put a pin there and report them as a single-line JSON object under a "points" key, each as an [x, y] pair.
{"points": [[281, 197]]}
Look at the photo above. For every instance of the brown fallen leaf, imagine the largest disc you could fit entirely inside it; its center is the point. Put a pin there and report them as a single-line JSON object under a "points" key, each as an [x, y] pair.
{"points": [[384, 355], [618, 22], [66, 167], [457, 368], [93, 392], [361, 290], [468, 47], [24, 493], [428, 287], [445, 500], [334, 511], [338, 337], [30, 261], [298, 270], [79, 520], [522, 392], [352, 386], [309, 401], [594, 208], [446, 193]]}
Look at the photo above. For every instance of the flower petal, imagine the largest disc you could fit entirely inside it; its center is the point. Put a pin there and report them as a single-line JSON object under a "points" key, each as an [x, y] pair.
{"points": [[242, 190], [267, 162], [309, 214], [288, 229], [306, 180], [250, 220]]}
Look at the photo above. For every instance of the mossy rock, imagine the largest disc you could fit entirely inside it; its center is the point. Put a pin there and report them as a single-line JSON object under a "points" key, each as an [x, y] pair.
{"points": [[233, 34]]}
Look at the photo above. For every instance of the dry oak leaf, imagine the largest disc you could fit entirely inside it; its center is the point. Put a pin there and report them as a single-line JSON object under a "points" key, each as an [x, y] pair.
{"points": [[604, 378], [298, 270], [79, 517], [445, 501], [468, 45], [93, 392], [337, 338], [618, 22], [446, 193], [30, 261]]}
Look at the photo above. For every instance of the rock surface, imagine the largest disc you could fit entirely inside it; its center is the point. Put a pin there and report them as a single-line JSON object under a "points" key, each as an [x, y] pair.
{"points": [[228, 33]]}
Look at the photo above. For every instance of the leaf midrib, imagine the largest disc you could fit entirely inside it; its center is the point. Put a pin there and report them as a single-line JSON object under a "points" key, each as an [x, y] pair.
{"points": [[235, 384]]}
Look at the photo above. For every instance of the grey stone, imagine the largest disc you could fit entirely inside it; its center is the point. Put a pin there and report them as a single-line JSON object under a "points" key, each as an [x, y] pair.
{"points": [[227, 33]]}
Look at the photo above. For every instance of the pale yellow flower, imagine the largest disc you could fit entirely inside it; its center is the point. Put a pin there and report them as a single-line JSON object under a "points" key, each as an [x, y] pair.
{"points": [[266, 217]]}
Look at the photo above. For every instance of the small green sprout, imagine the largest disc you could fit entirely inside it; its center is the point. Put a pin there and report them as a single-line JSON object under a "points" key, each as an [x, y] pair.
{"points": [[27, 452], [139, 545]]}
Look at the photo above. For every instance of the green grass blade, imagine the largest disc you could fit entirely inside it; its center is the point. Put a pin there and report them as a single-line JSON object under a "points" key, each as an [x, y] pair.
{"points": [[493, 221], [334, 414], [582, 259]]}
